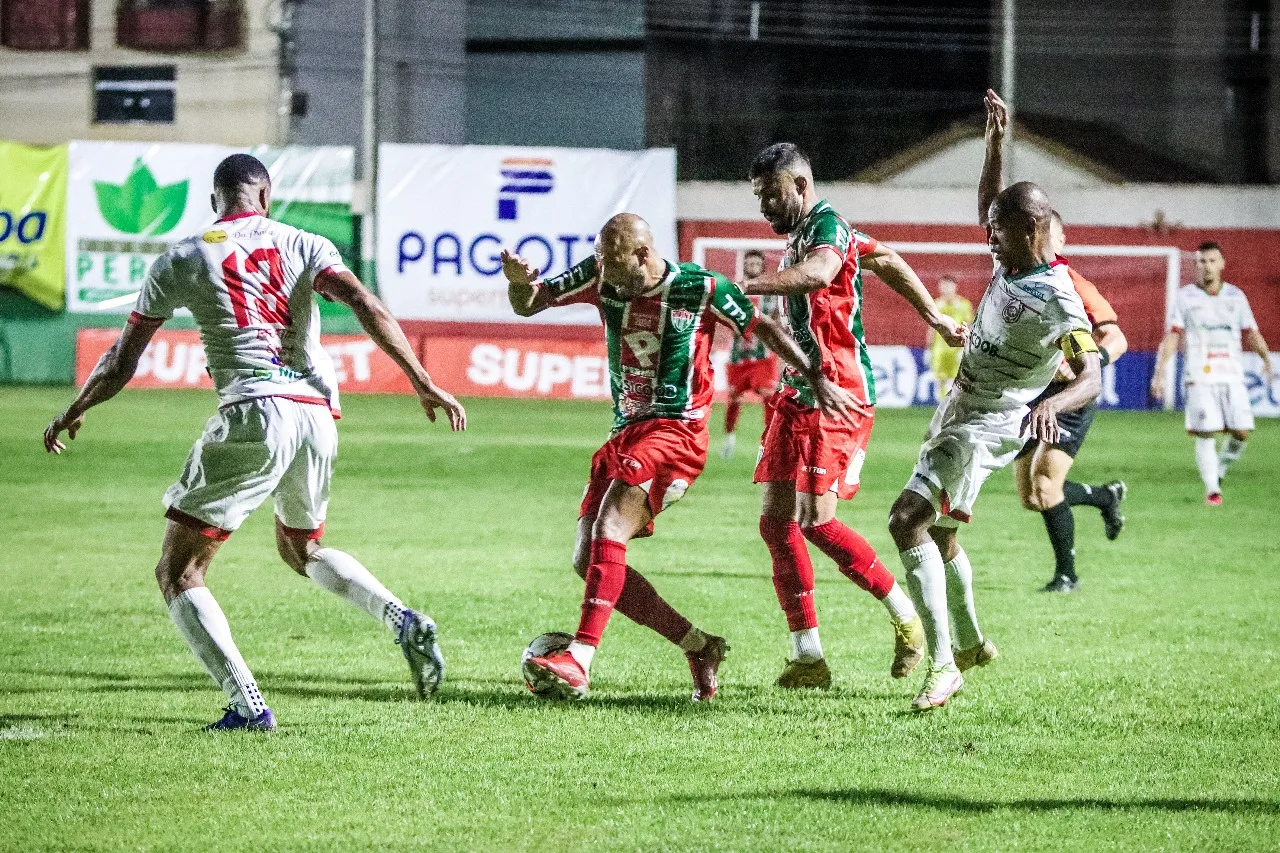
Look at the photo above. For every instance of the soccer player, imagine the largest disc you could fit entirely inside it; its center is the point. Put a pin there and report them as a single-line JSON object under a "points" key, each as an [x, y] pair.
{"points": [[248, 281], [658, 317], [752, 368], [1210, 316], [944, 359], [1042, 469], [808, 460], [1029, 318]]}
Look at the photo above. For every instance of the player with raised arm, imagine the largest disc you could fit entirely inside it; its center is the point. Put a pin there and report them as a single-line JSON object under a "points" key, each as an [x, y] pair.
{"points": [[752, 368], [808, 460], [248, 283], [944, 359], [658, 319], [1029, 319], [1209, 316]]}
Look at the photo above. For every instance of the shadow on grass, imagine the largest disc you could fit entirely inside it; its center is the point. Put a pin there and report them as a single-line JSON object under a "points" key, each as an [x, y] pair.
{"points": [[967, 805]]}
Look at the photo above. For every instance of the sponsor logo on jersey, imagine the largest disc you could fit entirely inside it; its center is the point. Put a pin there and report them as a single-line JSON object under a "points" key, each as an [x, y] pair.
{"points": [[682, 319], [522, 176], [214, 236]]}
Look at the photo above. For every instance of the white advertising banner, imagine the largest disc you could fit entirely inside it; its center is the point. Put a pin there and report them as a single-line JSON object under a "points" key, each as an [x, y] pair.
{"points": [[446, 212], [128, 202]]}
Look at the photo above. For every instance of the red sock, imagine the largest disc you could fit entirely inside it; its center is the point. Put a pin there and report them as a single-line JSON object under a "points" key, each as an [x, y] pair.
{"points": [[792, 572], [641, 604], [731, 412], [605, 579], [853, 554]]}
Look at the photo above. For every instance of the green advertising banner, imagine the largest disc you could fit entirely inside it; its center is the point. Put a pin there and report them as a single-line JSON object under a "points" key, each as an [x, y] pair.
{"points": [[33, 193]]}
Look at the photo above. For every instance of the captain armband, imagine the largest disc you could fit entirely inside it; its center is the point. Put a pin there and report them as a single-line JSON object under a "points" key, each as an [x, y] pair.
{"points": [[1076, 343]]}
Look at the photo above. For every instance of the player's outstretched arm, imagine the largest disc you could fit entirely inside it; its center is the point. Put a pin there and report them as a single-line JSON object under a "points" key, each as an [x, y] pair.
{"points": [[526, 296], [385, 331], [1258, 346], [992, 180], [1168, 347], [890, 268], [819, 268], [833, 400], [112, 373], [1081, 353]]}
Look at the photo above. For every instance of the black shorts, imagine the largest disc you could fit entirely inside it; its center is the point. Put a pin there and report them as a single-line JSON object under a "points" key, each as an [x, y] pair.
{"points": [[1073, 426]]}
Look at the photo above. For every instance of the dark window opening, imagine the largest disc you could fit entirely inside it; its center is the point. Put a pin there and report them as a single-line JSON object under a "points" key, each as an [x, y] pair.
{"points": [[135, 94], [44, 24], [173, 25]]}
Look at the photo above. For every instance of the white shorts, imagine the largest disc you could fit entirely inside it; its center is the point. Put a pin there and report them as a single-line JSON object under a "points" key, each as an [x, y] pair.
{"points": [[965, 445], [1215, 406], [250, 450]]}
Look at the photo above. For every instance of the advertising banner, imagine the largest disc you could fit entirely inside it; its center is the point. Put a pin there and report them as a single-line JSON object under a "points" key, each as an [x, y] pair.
{"points": [[129, 201], [33, 193], [445, 213], [175, 359]]}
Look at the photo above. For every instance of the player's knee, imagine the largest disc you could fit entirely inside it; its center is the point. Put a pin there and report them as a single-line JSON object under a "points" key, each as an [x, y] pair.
{"points": [[905, 524], [295, 551], [1239, 434]]}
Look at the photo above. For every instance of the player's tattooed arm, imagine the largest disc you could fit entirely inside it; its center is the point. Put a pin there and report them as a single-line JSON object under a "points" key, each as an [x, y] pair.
{"points": [[890, 268], [1168, 347], [112, 373], [818, 269], [1258, 346], [833, 400], [385, 331], [1081, 353], [992, 180]]}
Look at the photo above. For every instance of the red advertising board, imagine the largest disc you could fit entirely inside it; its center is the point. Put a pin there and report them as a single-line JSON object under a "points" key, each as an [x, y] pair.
{"points": [[175, 359]]}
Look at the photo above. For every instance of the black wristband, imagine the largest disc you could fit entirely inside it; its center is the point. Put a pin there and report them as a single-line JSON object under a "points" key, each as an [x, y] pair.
{"points": [[1103, 356]]}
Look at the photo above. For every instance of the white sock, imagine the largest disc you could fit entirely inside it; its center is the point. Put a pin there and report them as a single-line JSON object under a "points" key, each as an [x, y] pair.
{"points": [[1232, 448], [1207, 464], [583, 654], [964, 616], [899, 605], [203, 625], [344, 576], [805, 645], [694, 641], [926, 578]]}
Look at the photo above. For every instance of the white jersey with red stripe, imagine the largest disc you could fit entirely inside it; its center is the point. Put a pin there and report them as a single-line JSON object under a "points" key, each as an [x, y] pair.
{"points": [[1211, 324], [247, 282]]}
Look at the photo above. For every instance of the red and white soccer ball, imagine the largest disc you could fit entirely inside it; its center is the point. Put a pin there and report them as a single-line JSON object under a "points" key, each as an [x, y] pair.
{"points": [[546, 644]]}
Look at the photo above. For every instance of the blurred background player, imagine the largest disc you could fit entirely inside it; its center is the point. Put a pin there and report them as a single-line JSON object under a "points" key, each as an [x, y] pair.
{"points": [[752, 368], [1042, 468], [944, 359], [658, 318], [808, 460], [1209, 316], [248, 283], [1029, 318]]}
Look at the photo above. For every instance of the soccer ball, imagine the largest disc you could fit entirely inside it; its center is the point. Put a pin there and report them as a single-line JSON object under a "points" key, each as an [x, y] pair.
{"points": [[546, 644]]}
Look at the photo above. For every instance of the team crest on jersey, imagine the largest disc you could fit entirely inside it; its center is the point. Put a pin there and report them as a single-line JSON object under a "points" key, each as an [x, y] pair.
{"points": [[1012, 311], [682, 319]]}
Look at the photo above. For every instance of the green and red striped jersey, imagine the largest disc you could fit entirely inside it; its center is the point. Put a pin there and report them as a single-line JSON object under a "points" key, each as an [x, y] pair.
{"points": [[659, 342], [827, 323]]}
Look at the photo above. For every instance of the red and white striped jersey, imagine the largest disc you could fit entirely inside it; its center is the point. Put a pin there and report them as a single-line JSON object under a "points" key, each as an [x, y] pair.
{"points": [[247, 282]]}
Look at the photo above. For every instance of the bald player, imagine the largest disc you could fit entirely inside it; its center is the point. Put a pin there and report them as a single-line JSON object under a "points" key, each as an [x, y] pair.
{"points": [[808, 461], [659, 318], [1029, 320], [248, 283]]}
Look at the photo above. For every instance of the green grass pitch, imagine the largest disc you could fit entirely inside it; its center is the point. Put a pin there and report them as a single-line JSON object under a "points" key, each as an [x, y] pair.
{"points": [[1138, 714]]}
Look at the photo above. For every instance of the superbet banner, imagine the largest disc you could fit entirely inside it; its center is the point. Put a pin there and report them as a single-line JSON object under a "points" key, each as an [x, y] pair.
{"points": [[446, 212], [175, 359]]}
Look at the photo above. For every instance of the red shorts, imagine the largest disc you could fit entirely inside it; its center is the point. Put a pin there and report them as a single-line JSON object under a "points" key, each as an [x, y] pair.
{"points": [[756, 375], [817, 453], [662, 456]]}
